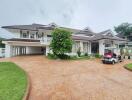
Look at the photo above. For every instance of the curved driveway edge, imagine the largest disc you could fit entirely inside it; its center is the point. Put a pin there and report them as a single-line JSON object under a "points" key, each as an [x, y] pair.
{"points": [[28, 88], [127, 68]]}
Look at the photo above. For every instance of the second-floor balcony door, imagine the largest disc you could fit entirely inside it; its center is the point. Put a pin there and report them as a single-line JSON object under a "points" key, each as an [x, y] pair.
{"points": [[32, 35]]}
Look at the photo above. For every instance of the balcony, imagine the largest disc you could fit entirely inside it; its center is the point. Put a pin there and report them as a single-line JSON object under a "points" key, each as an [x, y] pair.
{"points": [[45, 41]]}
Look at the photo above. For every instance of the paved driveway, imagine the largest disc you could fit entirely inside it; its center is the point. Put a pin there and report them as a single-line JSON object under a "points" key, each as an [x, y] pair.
{"points": [[76, 80]]}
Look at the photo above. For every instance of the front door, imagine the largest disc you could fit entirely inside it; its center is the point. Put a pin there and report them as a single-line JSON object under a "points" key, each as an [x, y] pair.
{"points": [[43, 50], [95, 47], [22, 50]]}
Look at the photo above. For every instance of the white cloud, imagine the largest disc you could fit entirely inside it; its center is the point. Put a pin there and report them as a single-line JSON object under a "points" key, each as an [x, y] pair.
{"points": [[97, 14]]}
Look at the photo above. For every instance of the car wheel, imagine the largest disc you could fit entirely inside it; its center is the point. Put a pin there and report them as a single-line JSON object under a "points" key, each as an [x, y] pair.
{"points": [[113, 62]]}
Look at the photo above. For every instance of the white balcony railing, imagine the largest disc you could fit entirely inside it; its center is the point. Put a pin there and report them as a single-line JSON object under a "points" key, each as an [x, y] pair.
{"points": [[45, 41]]}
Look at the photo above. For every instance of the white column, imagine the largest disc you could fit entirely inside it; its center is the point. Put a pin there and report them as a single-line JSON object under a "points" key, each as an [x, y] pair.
{"points": [[47, 50], [18, 50], [13, 50], [81, 46], [89, 51], [8, 50], [101, 47], [45, 38], [29, 34]]}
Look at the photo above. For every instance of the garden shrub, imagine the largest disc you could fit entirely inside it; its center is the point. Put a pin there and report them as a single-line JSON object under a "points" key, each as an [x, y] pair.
{"points": [[86, 54], [97, 55], [63, 56], [52, 56], [79, 52], [61, 43]]}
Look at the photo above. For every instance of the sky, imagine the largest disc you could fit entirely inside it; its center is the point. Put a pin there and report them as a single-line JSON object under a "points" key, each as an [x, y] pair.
{"points": [[99, 15]]}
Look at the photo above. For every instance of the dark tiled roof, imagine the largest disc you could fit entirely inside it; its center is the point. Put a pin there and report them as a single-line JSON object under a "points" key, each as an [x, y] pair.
{"points": [[106, 31], [91, 36], [25, 27], [100, 36], [75, 37], [107, 34], [35, 27], [85, 34], [22, 40], [120, 35]]}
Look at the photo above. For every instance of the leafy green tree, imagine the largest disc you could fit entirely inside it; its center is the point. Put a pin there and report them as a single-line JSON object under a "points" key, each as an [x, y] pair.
{"points": [[125, 29], [61, 42]]}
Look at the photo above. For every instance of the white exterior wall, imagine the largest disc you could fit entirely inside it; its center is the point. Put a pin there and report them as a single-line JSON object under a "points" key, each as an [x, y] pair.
{"points": [[16, 32], [2, 52], [89, 48], [101, 47], [47, 50], [81, 46], [8, 50]]}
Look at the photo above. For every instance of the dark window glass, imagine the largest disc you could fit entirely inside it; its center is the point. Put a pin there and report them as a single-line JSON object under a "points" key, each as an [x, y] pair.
{"points": [[49, 36], [25, 35], [32, 36]]}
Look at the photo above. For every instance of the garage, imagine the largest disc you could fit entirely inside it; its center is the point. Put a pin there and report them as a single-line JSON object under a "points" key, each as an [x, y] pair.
{"points": [[28, 50]]}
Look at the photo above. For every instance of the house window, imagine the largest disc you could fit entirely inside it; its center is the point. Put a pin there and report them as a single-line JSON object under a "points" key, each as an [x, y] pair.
{"points": [[107, 45], [129, 38], [40, 35], [32, 35], [85, 47], [25, 35], [49, 36], [76, 46]]}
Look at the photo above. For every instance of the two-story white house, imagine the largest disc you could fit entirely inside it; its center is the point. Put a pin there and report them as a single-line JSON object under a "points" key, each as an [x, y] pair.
{"points": [[36, 38]]}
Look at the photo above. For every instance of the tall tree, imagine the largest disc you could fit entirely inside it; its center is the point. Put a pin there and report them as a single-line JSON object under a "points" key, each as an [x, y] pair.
{"points": [[61, 42], [124, 29]]}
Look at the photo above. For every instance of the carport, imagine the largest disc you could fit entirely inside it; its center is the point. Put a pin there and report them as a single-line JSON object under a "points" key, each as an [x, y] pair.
{"points": [[19, 47], [28, 50]]}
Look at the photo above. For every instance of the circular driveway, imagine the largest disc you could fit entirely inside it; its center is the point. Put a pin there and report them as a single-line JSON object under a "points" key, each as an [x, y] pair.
{"points": [[75, 80]]}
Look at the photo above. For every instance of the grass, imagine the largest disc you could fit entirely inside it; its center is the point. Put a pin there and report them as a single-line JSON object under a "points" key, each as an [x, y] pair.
{"points": [[13, 81], [129, 66], [79, 58]]}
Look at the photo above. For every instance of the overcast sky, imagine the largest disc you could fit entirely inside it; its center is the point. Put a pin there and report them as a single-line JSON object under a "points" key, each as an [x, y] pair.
{"points": [[99, 15]]}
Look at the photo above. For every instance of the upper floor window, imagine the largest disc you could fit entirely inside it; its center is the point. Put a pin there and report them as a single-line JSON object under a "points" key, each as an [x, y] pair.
{"points": [[25, 35], [39, 35], [32, 35], [129, 38], [49, 36], [107, 45]]}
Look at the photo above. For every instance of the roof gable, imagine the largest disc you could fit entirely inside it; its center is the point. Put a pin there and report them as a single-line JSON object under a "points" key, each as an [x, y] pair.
{"points": [[107, 33]]}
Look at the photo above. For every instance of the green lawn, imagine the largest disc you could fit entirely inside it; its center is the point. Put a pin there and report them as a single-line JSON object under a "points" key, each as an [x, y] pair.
{"points": [[129, 66], [13, 81]]}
